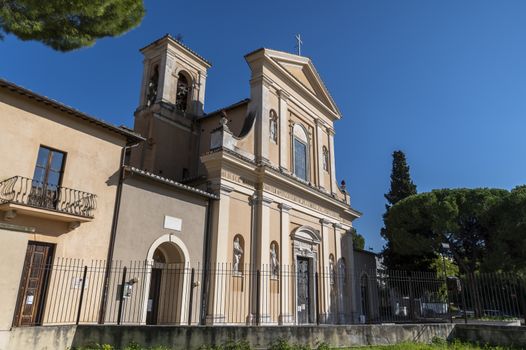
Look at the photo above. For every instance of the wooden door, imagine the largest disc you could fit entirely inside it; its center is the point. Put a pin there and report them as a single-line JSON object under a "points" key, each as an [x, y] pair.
{"points": [[303, 284], [153, 296], [33, 285]]}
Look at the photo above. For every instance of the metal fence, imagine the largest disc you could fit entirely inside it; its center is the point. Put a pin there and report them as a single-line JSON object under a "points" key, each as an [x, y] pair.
{"points": [[174, 294]]}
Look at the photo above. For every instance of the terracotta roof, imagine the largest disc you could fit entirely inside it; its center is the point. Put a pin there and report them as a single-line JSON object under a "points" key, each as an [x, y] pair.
{"points": [[232, 106], [180, 43], [170, 182], [69, 110]]}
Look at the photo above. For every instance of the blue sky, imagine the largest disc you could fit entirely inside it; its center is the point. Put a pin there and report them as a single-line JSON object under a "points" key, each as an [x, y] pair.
{"points": [[443, 80]]}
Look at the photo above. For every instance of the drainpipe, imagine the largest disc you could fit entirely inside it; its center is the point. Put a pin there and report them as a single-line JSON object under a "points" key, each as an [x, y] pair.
{"points": [[206, 275], [113, 234]]}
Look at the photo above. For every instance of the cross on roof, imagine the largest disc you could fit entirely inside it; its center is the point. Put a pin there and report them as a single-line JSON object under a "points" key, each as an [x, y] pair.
{"points": [[298, 43]]}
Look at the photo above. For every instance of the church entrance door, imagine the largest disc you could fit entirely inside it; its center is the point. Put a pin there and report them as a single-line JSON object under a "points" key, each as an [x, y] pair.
{"points": [[153, 297], [304, 293]]}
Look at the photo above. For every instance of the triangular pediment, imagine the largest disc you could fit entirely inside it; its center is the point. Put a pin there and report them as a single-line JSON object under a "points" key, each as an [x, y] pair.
{"points": [[301, 70], [297, 72]]}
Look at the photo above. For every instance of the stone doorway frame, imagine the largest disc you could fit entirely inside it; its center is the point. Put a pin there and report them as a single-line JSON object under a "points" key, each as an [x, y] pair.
{"points": [[170, 238], [306, 244]]}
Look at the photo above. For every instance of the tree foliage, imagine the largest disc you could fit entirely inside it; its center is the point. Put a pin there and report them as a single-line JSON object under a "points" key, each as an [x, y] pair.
{"points": [[358, 240], [466, 219], [69, 25], [506, 245]]}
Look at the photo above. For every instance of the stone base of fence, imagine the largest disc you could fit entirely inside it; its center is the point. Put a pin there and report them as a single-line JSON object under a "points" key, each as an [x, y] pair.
{"points": [[193, 337], [505, 336]]}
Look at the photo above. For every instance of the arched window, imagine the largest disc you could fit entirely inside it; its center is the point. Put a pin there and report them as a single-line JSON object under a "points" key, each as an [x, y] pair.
{"points": [[273, 126], [238, 254], [183, 89], [300, 152], [325, 158], [151, 95], [274, 258]]}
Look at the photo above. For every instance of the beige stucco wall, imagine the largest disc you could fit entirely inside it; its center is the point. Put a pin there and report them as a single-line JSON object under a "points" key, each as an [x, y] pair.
{"points": [[11, 265], [365, 265], [91, 165], [144, 205], [167, 133]]}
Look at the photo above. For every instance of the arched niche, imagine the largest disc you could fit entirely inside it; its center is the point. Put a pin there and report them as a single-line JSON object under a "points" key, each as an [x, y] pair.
{"points": [[238, 254]]}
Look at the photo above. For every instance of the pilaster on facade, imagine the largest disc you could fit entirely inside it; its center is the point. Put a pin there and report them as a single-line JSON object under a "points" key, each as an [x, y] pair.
{"points": [[334, 184], [261, 259], [326, 306], [286, 313], [263, 230], [259, 103], [220, 248], [319, 153], [283, 130]]}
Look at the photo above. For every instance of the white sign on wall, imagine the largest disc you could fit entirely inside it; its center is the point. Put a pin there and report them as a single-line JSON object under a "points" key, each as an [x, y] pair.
{"points": [[172, 223]]}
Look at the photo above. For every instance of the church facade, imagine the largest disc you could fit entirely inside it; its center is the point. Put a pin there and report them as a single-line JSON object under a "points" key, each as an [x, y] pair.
{"points": [[270, 161]]}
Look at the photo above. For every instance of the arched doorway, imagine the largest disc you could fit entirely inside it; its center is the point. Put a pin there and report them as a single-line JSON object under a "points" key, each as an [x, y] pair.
{"points": [[167, 282]]}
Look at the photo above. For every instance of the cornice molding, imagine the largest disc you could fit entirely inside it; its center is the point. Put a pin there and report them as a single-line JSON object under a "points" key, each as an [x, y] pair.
{"points": [[284, 207], [324, 222], [284, 95], [225, 189], [295, 181]]}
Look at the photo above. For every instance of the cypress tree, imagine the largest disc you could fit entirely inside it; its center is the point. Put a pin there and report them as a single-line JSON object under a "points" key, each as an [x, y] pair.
{"points": [[401, 184], [401, 187]]}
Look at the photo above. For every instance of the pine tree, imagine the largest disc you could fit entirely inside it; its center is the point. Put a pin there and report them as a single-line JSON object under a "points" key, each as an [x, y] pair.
{"points": [[401, 187], [69, 25]]}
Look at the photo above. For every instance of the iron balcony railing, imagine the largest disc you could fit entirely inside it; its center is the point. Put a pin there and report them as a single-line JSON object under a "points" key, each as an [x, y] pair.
{"points": [[25, 191]]}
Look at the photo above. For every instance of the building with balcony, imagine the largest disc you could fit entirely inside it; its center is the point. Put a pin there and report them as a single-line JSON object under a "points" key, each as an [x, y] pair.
{"points": [[58, 189]]}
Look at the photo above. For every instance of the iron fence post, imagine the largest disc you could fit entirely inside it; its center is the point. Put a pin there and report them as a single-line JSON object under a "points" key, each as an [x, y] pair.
{"points": [[411, 301], [317, 290], [522, 292], [121, 296], [82, 293], [464, 305], [191, 301], [448, 300], [258, 296]]}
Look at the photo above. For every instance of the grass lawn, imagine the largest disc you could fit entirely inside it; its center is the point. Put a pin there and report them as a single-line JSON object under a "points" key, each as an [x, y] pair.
{"points": [[283, 345], [439, 346]]}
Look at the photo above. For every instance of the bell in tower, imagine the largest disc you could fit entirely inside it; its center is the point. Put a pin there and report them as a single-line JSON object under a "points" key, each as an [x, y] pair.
{"points": [[172, 98]]}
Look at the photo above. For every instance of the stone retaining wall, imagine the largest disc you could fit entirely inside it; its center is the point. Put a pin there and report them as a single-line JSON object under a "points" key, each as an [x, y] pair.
{"points": [[180, 337], [512, 336]]}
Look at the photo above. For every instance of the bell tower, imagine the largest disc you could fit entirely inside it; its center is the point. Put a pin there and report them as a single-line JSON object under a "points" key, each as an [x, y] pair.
{"points": [[171, 100]]}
